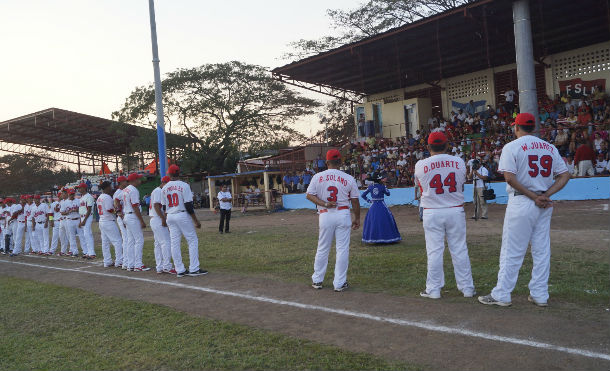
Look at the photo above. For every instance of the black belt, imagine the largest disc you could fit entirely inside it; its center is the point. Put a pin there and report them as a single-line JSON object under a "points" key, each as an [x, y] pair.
{"points": [[39, 222], [74, 218], [131, 212], [517, 193]]}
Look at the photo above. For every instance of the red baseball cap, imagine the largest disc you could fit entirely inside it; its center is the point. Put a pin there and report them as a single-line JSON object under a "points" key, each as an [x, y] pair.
{"points": [[37, 197], [173, 169], [524, 119], [437, 138], [28, 197], [165, 179], [134, 176], [82, 185], [121, 179], [333, 154], [71, 191]]}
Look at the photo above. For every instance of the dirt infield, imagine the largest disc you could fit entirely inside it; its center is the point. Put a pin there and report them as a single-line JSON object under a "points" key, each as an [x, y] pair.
{"points": [[445, 334]]}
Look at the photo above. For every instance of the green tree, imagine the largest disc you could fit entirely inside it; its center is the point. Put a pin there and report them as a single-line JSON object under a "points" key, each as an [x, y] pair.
{"points": [[368, 19], [31, 173], [224, 108], [338, 120]]}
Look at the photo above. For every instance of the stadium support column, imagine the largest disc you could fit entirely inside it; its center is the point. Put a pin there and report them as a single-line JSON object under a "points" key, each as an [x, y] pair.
{"points": [[526, 76], [212, 189], [267, 190], [158, 93]]}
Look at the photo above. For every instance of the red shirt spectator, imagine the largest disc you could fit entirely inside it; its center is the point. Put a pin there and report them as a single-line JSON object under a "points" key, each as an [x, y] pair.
{"points": [[583, 153]]}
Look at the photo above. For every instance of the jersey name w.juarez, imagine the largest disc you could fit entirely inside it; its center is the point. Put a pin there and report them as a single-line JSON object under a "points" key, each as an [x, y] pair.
{"points": [[334, 185], [534, 162], [441, 179], [174, 195]]}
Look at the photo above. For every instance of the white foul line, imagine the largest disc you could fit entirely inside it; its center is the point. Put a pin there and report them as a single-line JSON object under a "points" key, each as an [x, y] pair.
{"points": [[396, 321]]}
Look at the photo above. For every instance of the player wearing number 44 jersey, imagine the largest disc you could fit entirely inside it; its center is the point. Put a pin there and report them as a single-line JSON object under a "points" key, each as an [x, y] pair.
{"points": [[333, 191], [530, 166], [441, 180]]}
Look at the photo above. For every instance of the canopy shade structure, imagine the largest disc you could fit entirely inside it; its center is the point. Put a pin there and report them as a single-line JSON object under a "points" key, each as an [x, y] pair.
{"points": [[472, 37], [68, 136]]}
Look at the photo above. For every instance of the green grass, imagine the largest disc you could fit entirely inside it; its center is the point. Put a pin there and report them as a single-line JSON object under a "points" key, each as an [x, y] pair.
{"points": [[577, 276], [50, 327]]}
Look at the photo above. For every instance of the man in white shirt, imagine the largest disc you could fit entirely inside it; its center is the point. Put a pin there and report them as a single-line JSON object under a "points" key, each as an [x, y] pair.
{"points": [[534, 171], [40, 226], [601, 164], [58, 235], [225, 202], [182, 221], [27, 210], [85, 210], [117, 198], [441, 179], [69, 209], [108, 227], [134, 224], [19, 223], [158, 224], [333, 191], [8, 225], [479, 175]]}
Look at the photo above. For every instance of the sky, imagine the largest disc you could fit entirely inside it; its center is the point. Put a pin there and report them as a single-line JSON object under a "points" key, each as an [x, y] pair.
{"points": [[88, 55]]}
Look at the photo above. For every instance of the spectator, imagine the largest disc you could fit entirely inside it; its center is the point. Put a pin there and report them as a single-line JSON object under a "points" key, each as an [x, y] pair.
{"points": [[225, 202], [601, 165], [584, 160]]}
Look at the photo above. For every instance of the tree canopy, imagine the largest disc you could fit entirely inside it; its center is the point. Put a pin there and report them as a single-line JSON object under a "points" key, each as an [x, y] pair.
{"points": [[30, 174], [368, 19], [225, 108], [338, 121]]}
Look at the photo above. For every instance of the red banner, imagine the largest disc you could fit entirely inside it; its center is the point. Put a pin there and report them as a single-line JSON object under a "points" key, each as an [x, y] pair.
{"points": [[579, 88]]}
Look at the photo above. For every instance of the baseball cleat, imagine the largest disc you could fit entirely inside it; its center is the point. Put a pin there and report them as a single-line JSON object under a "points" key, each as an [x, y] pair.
{"points": [[108, 265], [159, 272], [3, 252], [170, 271], [535, 302], [182, 274], [141, 269], [425, 294], [489, 300], [470, 295], [130, 269], [11, 255], [342, 288], [74, 256], [200, 272], [317, 285], [124, 267]]}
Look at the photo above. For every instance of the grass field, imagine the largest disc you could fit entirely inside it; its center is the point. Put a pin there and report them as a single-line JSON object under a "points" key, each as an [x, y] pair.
{"points": [[50, 327]]}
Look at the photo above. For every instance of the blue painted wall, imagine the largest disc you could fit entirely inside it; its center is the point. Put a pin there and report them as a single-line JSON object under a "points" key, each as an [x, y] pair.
{"points": [[577, 189]]}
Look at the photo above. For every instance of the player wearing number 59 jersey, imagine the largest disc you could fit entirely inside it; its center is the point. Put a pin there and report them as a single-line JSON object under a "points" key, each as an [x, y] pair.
{"points": [[534, 171], [441, 180], [332, 191]]}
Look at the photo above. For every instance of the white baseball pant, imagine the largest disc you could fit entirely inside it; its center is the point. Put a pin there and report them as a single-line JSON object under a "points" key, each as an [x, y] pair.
{"points": [[54, 237], [71, 227], [18, 233], [524, 224], [38, 237], [2, 239], [181, 224], [45, 239], [447, 223], [125, 240], [135, 240], [63, 236], [28, 238], [585, 168], [333, 224], [86, 237], [110, 234], [163, 250]]}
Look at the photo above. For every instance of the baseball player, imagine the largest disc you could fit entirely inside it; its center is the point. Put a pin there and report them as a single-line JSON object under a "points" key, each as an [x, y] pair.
{"points": [[534, 171], [2, 224], [63, 225], [158, 224], [441, 179], [134, 224], [69, 209], [108, 227], [117, 198], [181, 220], [55, 219], [8, 226], [85, 210], [40, 225], [332, 191], [18, 215], [27, 209]]}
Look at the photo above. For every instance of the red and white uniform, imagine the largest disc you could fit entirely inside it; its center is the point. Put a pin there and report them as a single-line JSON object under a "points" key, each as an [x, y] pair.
{"points": [[70, 222], [27, 210], [132, 252], [109, 230], [441, 180], [535, 164], [58, 235], [85, 234], [118, 195], [18, 227], [40, 233], [174, 195], [333, 185], [163, 253]]}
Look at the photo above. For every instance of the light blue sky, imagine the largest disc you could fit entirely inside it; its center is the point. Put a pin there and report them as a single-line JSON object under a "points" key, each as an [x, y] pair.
{"points": [[88, 55]]}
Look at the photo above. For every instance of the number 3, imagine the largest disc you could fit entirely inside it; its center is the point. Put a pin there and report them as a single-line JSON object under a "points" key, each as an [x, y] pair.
{"points": [[333, 193]]}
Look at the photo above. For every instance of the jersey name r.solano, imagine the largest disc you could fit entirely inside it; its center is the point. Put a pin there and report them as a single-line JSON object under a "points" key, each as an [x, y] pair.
{"points": [[333, 185]]}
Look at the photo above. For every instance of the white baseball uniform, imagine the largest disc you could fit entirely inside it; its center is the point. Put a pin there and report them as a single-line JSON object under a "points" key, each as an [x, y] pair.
{"points": [[8, 229], [118, 195], [441, 181], [27, 209], [163, 249], [334, 186], [2, 227], [39, 216], [18, 227], [84, 233], [135, 238], [535, 164], [174, 195], [109, 231], [70, 223], [55, 237], [63, 231]]}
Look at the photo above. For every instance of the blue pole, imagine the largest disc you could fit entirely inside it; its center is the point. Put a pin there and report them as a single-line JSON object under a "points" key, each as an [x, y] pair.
{"points": [[158, 93]]}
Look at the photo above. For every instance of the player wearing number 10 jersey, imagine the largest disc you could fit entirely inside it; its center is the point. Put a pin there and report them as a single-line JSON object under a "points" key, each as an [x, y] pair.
{"points": [[441, 180], [530, 166]]}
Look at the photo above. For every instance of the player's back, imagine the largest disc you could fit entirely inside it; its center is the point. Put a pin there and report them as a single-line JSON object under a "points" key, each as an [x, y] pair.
{"points": [[441, 181], [534, 161], [175, 194], [334, 185]]}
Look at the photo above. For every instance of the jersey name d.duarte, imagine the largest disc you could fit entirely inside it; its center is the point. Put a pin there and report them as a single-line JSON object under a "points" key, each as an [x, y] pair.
{"points": [[441, 179]]}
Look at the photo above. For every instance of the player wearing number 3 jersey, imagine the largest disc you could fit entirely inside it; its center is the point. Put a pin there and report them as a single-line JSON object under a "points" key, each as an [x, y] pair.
{"points": [[333, 191], [441, 180], [530, 166]]}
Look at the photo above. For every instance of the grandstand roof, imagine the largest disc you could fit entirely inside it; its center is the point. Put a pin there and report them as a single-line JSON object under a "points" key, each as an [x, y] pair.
{"points": [[469, 38], [64, 131]]}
